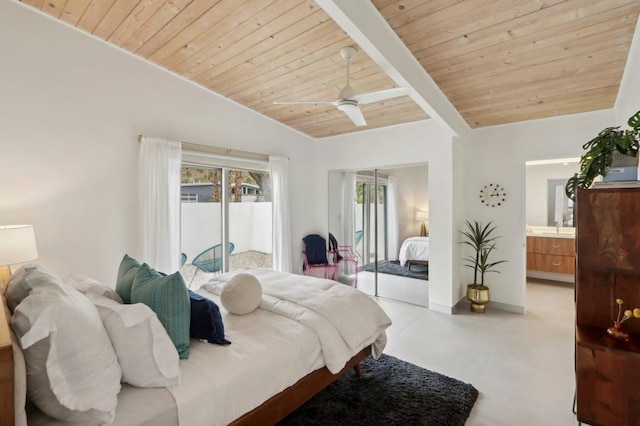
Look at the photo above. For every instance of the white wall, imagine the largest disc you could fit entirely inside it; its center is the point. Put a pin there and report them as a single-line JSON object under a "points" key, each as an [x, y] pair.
{"points": [[627, 102], [334, 215], [408, 144], [71, 108], [537, 199], [498, 155], [249, 227]]}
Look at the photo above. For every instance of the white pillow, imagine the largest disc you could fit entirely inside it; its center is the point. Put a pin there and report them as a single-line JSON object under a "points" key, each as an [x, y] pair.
{"points": [[241, 294], [25, 280], [145, 351], [86, 285], [72, 369]]}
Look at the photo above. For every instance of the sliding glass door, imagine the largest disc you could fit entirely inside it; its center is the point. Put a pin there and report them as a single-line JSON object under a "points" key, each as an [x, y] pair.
{"points": [[371, 224], [370, 210], [250, 213], [226, 221]]}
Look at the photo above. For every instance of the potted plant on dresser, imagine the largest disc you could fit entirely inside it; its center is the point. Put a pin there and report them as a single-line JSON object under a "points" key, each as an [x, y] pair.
{"points": [[481, 239], [612, 144]]}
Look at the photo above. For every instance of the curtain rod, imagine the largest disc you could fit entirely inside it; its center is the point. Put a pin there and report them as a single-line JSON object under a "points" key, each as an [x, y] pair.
{"points": [[221, 151]]}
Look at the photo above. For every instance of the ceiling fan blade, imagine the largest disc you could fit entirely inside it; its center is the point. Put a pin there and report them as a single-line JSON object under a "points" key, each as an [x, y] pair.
{"points": [[381, 95], [303, 102], [356, 116]]}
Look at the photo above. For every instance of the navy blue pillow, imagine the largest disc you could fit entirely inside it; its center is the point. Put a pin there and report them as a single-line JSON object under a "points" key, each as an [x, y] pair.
{"points": [[206, 321]]}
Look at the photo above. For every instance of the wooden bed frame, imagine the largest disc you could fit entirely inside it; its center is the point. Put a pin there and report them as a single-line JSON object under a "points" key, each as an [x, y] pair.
{"points": [[281, 405], [7, 416], [270, 412], [416, 262]]}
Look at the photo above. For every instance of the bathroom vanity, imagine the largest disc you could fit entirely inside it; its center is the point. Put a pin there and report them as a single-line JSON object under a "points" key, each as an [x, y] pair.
{"points": [[551, 253]]}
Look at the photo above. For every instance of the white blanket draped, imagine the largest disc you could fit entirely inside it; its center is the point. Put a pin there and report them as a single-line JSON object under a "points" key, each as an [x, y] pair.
{"points": [[345, 319]]}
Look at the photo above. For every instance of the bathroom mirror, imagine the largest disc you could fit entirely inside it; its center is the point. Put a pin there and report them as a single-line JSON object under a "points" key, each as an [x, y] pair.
{"points": [[559, 206], [374, 211], [546, 203]]}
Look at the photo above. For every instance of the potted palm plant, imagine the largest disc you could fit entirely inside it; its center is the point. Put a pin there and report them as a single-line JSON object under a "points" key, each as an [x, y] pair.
{"points": [[481, 239]]}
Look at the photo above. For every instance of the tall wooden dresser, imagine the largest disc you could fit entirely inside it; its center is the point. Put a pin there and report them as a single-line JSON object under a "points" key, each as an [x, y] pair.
{"points": [[608, 268]]}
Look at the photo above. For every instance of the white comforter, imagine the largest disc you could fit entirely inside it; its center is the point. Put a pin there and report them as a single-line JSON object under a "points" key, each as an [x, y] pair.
{"points": [[414, 248], [343, 318], [316, 323]]}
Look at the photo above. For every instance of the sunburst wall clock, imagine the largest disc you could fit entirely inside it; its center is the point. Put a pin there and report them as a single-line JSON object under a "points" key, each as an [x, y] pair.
{"points": [[493, 195]]}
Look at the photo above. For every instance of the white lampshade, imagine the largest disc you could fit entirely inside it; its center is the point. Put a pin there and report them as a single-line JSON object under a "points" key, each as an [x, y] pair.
{"points": [[422, 216], [17, 244]]}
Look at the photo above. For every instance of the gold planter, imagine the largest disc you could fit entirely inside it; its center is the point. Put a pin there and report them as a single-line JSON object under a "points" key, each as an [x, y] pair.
{"points": [[478, 295]]}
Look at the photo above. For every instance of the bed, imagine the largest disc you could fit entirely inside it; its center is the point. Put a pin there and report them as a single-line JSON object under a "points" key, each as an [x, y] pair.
{"points": [[414, 250], [274, 364]]}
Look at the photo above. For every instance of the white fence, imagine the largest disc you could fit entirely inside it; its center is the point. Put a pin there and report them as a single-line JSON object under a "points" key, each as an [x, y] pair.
{"points": [[249, 227]]}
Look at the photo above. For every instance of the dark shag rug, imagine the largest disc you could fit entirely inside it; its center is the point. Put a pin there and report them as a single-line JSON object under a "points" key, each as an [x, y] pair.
{"points": [[390, 392], [420, 272]]}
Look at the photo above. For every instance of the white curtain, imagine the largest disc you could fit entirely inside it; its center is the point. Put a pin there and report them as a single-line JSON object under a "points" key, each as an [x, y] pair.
{"points": [[281, 231], [348, 209], [392, 220], [159, 194]]}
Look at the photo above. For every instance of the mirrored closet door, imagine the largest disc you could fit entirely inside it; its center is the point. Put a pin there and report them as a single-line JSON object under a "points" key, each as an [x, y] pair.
{"points": [[373, 212]]}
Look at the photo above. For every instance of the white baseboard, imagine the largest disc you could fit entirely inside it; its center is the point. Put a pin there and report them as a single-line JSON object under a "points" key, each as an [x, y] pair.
{"points": [[441, 308]]}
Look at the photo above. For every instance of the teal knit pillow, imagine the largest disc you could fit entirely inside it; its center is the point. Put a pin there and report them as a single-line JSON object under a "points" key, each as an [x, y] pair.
{"points": [[126, 273], [168, 297]]}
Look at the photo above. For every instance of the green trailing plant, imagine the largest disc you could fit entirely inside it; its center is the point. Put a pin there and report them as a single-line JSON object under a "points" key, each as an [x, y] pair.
{"points": [[481, 239], [599, 156]]}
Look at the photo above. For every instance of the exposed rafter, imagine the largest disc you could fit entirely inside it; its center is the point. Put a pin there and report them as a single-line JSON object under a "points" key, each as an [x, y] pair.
{"points": [[364, 24]]}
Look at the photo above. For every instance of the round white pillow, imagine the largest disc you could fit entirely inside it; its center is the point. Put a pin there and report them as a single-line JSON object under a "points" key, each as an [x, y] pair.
{"points": [[241, 294]]}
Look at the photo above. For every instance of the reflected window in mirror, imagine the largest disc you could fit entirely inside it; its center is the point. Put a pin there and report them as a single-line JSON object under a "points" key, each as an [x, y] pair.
{"points": [[560, 207]]}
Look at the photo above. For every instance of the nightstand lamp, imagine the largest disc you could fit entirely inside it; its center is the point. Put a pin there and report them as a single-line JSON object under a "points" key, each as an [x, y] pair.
{"points": [[422, 216], [17, 245]]}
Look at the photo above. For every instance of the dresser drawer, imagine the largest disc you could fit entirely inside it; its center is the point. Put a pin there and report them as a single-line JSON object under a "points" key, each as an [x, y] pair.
{"points": [[550, 245], [551, 263]]}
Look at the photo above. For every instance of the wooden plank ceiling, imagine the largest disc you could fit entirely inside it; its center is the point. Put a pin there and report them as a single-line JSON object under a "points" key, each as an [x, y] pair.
{"points": [[505, 61], [497, 61]]}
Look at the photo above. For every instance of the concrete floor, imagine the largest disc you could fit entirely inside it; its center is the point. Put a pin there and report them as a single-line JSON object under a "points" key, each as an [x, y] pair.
{"points": [[522, 365]]}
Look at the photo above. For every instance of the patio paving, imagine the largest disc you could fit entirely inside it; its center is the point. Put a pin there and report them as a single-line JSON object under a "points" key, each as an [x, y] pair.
{"points": [[237, 261]]}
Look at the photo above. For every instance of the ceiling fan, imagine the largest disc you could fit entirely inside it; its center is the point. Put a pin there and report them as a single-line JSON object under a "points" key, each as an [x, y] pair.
{"points": [[348, 102]]}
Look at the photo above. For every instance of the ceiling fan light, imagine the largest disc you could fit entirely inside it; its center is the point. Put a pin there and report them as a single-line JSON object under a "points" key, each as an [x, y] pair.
{"points": [[347, 106]]}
